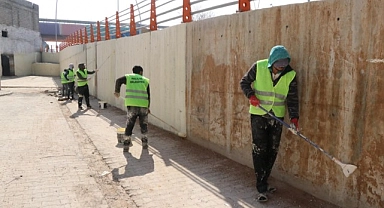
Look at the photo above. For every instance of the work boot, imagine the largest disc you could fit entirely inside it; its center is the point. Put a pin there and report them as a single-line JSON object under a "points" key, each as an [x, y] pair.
{"points": [[262, 197], [144, 142], [127, 143]]}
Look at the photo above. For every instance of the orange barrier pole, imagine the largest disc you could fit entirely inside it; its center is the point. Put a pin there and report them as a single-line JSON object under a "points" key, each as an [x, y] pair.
{"points": [[153, 23], [98, 31], [81, 37], [107, 37], [187, 17], [118, 32], [85, 36], [73, 39], [244, 5], [77, 38], [92, 36], [132, 26]]}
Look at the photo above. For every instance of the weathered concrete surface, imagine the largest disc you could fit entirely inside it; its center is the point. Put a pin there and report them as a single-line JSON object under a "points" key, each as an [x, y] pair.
{"points": [[336, 51], [338, 65]]}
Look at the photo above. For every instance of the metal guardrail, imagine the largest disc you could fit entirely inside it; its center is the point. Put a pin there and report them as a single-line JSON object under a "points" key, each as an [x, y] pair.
{"points": [[167, 13]]}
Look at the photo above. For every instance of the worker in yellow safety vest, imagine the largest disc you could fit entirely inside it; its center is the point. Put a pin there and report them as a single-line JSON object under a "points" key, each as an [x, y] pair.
{"points": [[270, 83], [69, 75], [82, 85], [64, 83], [137, 100]]}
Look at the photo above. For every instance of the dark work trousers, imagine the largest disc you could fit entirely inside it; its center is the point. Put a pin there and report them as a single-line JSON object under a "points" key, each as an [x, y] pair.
{"points": [[64, 90], [266, 134], [71, 90], [83, 92], [132, 113]]}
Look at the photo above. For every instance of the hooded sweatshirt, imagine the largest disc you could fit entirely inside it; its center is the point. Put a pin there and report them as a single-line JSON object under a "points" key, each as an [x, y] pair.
{"points": [[278, 52]]}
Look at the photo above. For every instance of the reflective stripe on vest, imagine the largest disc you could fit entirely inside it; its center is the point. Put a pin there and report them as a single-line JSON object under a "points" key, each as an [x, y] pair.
{"points": [[271, 97], [136, 90], [82, 82], [71, 76], [63, 80]]}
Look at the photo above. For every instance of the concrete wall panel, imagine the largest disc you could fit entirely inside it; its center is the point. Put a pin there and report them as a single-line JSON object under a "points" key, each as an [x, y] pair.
{"points": [[23, 63], [46, 69], [53, 58], [166, 69], [333, 61]]}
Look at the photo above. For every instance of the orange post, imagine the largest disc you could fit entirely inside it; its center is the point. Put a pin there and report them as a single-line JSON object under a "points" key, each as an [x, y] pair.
{"points": [[98, 31], [107, 37], [132, 25], [73, 41], [81, 37], [92, 35], [85, 36], [153, 22], [118, 32], [77, 38], [187, 17], [244, 5]]}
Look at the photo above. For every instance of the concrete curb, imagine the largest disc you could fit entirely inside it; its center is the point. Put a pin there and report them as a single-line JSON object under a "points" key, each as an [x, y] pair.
{"points": [[4, 92]]}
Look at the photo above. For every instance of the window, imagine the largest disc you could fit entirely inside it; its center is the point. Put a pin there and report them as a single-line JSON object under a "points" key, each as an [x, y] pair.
{"points": [[4, 33]]}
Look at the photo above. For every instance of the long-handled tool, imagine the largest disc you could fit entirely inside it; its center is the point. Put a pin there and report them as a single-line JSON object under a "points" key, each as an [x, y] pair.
{"points": [[180, 134], [348, 169]]}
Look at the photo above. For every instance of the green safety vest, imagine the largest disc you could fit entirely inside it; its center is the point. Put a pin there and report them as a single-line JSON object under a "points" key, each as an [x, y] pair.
{"points": [[80, 81], [71, 76], [63, 80], [271, 97], [136, 90]]}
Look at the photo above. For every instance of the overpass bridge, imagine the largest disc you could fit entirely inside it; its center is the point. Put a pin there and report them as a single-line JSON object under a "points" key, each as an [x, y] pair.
{"points": [[64, 28]]}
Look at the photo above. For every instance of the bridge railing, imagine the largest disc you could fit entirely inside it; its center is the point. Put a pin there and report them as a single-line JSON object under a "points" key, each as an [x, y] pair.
{"points": [[150, 15]]}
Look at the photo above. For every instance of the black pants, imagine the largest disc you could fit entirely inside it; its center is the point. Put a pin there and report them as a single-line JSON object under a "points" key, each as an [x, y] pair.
{"points": [[132, 114], [71, 89], [266, 134], [64, 90], [83, 92]]}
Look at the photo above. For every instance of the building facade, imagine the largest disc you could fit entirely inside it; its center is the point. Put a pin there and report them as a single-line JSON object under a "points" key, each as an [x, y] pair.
{"points": [[19, 25]]}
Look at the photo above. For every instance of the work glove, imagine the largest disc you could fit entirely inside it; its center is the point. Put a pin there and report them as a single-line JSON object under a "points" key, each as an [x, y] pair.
{"points": [[254, 101], [117, 95], [295, 123]]}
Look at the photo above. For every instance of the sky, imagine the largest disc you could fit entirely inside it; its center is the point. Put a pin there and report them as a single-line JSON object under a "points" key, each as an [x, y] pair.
{"points": [[97, 10]]}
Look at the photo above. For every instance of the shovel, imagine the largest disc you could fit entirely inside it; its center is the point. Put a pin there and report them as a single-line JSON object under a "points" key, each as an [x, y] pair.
{"points": [[348, 169]]}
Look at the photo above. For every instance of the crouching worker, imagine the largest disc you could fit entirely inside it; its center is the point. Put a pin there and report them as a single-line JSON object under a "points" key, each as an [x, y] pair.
{"points": [[137, 100]]}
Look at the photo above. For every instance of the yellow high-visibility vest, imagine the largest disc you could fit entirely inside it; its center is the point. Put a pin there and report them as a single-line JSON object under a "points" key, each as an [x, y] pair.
{"points": [[136, 90], [271, 97]]}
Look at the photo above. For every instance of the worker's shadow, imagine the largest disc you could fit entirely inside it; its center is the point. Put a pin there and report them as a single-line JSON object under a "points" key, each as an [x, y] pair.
{"points": [[79, 112], [135, 166]]}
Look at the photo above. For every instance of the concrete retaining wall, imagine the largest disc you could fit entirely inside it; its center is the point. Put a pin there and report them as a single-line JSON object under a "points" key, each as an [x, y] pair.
{"points": [[53, 58], [23, 63], [45, 69], [195, 71]]}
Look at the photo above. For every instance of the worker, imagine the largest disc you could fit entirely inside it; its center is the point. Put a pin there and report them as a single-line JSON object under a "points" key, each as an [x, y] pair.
{"points": [[82, 85], [137, 100], [270, 83]]}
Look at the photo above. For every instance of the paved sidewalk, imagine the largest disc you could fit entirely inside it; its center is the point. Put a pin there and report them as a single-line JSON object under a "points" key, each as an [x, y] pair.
{"points": [[56, 156]]}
